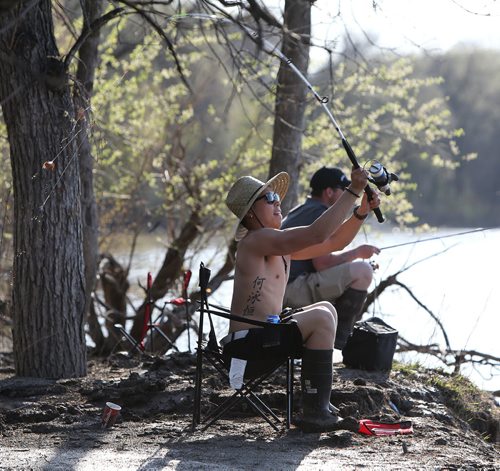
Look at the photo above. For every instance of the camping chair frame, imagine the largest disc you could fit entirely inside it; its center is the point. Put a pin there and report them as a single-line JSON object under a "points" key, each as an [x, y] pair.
{"points": [[153, 326], [212, 353]]}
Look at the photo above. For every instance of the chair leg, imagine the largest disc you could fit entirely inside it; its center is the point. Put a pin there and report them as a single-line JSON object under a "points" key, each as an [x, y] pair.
{"points": [[134, 342], [233, 400], [165, 336], [289, 391], [246, 393], [197, 389], [252, 399]]}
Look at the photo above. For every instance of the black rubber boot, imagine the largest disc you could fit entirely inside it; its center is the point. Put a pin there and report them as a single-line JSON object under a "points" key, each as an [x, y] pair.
{"points": [[349, 310], [333, 410], [316, 382]]}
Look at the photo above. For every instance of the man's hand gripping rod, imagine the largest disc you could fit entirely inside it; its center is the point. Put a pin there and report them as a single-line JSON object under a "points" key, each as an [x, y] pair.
{"points": [[368, 190], [322, 101]]}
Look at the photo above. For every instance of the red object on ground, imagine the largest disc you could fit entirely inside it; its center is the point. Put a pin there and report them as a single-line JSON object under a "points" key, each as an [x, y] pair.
{"points": [[370, 427]]}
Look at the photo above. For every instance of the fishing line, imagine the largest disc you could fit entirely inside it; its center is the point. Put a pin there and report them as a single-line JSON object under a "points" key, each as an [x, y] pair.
{"points": [[322, 100], [270, 49], [480, 229], [80, 112], [75, 154]]}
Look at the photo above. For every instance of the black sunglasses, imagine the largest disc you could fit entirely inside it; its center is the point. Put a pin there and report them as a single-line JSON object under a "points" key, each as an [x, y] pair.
{"points": [[271, 197]]}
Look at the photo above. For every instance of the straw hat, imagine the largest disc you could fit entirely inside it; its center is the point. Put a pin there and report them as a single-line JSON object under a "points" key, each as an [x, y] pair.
{"points": [[246, 190]]}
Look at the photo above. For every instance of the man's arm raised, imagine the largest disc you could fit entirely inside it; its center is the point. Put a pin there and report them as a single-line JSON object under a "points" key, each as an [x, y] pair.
{"points": [[346, 233], [313, 240]]}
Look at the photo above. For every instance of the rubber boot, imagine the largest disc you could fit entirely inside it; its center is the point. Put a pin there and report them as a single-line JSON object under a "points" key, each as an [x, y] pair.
{"points": [[316, 382], [349, 310], [333, 410]]}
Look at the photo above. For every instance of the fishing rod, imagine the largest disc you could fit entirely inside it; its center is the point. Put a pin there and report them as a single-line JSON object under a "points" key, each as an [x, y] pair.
{"points": [[380, 177], [479, 229]]}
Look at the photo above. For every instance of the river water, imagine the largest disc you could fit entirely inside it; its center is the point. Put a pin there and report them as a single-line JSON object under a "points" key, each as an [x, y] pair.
{"points": [[455, 277]]}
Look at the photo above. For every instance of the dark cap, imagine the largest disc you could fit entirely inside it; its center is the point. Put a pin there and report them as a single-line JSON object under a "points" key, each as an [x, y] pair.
{"points": [[328, 177]]}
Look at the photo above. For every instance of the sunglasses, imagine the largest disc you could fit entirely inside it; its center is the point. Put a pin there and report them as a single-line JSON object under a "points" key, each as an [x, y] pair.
{"points": [[271, 197]]}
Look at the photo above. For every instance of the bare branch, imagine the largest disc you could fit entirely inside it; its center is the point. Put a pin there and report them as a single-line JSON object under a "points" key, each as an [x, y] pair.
{"points": [[423, 306], [450, 357], [161, 33], [94, 26]]}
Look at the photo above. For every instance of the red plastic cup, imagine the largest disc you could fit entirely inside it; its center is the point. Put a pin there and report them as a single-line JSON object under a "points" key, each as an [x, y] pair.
{"points": [[110, 414]]}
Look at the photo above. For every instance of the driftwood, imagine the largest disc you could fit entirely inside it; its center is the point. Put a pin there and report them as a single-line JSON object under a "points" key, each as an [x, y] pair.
{"points": [[176, 322], [114, 283], [173, 320], [448, 356]]}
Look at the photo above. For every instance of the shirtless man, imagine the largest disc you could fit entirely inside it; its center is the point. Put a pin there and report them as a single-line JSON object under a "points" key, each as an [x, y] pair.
{"points": [[261, 273], [341, 278]]}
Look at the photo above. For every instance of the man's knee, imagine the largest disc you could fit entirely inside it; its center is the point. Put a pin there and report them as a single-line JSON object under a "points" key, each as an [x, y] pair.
{"points": [[362, 273], [333, 312], [327, 318]]}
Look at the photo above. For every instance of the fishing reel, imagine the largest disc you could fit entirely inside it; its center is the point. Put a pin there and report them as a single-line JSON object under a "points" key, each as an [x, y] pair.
{"points": [[381, 177]]}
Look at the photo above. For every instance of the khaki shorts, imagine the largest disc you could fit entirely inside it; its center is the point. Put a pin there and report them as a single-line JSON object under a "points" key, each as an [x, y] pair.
{"points": [[324, 285]]}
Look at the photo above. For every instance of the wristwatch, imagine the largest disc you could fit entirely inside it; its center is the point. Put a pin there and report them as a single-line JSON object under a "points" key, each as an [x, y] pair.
{"points": [[361, 217]]}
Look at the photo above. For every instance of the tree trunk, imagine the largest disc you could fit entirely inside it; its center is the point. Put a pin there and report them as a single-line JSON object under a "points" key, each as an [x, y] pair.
{"points": [[290, 97], [48, 281], [115, 286], [170, 269], [87, 63]]}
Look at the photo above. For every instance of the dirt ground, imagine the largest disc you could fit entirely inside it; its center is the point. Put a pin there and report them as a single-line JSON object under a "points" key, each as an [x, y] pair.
{"points": [[55, 425]]}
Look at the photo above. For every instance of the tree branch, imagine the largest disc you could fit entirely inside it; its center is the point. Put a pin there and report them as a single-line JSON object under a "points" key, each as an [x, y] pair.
{"points": [[94, 26], [161, 33]]}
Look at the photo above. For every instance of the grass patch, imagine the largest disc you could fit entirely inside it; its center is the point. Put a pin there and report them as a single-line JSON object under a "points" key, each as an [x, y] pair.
{"points": [[468, 402], [411, 370]]}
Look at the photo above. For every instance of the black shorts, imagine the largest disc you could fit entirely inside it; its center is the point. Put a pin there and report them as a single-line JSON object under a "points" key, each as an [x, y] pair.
{"points": [[265, 347]]}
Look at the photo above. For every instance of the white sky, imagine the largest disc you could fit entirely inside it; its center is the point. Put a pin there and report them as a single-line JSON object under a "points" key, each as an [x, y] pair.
{"points": [[436, 25]]}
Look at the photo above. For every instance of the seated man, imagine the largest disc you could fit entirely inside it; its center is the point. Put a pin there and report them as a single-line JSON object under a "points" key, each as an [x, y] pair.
{"points": [[261, 273], [340, 277]]}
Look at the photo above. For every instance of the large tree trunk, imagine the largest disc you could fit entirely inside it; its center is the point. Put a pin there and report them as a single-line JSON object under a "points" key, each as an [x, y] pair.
{"points": [[290, 97], [48, 280], [87, 63]]}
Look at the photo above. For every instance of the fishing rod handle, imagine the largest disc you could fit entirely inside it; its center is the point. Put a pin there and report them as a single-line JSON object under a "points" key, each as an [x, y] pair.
{"points": [[368, 190], [378, 213]]}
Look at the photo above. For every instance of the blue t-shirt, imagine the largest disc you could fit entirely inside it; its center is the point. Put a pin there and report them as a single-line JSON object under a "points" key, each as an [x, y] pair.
{"points": [[303, 215]]}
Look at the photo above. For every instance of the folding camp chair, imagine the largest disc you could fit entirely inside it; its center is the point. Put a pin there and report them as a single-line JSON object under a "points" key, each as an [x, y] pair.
{"points": [[154, 326], [211, 351]]}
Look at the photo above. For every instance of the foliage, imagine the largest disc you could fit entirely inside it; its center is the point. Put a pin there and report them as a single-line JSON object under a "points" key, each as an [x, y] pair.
{"points": [[160, 151], [412, 370], [382, 110], [465, 399], [469, 195]]}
